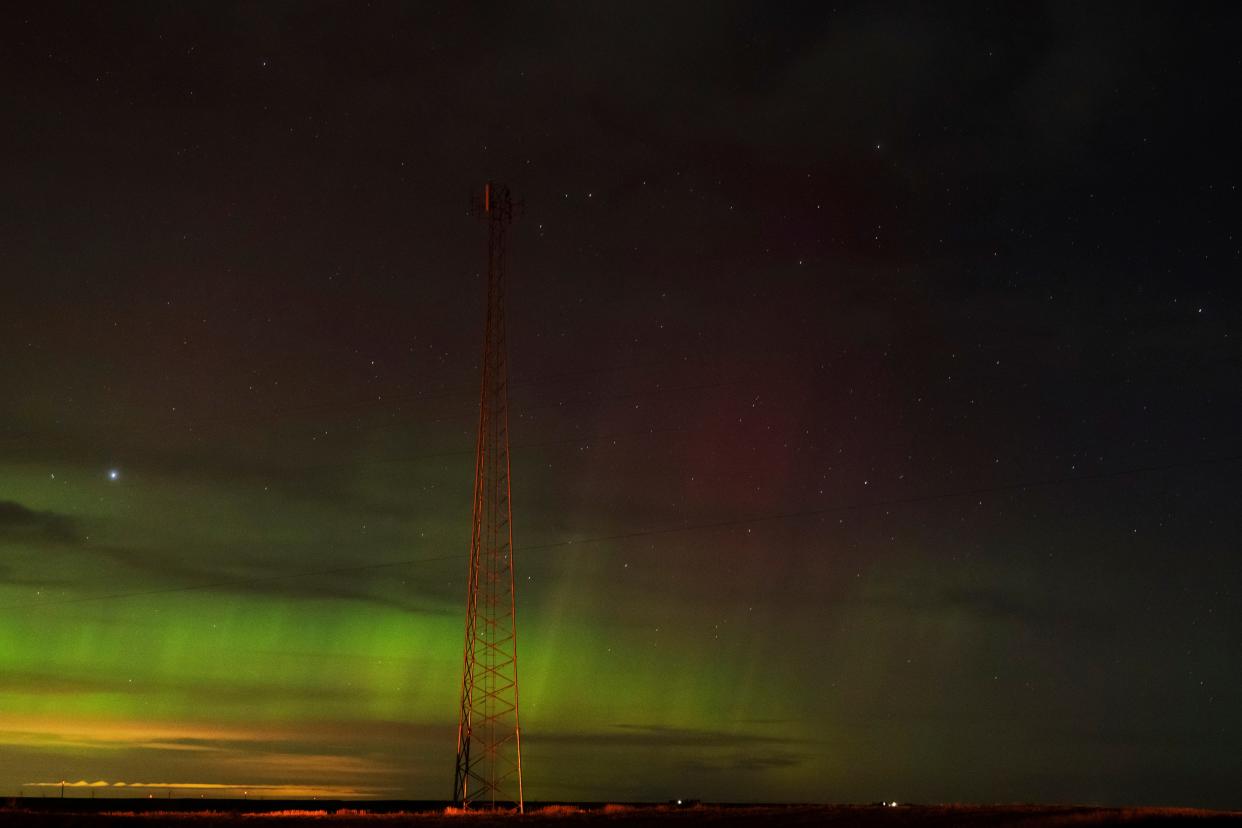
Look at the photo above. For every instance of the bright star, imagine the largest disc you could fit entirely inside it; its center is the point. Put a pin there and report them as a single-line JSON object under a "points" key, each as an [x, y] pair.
{"points": [[113, 474]]}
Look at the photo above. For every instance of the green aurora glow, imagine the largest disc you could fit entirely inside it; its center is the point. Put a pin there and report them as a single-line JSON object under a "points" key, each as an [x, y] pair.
{"points": [[838, 261], [357, 664]]}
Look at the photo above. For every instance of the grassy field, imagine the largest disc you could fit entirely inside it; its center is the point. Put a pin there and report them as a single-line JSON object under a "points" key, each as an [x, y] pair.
{"points": [[232, 813]]}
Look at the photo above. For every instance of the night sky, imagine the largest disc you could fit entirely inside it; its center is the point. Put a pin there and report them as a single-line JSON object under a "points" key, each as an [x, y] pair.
{"points": [[874, 408]]}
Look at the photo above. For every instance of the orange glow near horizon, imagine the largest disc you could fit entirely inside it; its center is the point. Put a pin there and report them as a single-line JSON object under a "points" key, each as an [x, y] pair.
{"points": [[275, 791]]}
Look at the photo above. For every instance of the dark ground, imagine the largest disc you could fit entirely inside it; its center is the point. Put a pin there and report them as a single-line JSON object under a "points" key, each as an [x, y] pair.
{"points": [[56, 812]]}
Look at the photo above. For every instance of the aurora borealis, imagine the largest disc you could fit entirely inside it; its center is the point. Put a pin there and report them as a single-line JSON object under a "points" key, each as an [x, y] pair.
{"points": [[875, 398]]}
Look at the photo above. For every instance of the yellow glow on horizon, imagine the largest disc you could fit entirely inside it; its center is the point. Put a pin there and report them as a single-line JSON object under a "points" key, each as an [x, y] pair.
{"points": [[276, 791]]}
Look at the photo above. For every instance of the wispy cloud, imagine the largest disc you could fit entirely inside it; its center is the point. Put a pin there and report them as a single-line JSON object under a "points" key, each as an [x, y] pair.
{"points": [[745, 761], [224, 692], [291, 791], [9, 577], [173, 575], [292, 761], [995, 604], [640, 735], [18, 522], [39, 731], [304, 739]]}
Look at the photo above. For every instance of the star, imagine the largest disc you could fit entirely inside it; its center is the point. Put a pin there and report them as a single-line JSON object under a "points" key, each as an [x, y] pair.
{"points": [[114, 474]]}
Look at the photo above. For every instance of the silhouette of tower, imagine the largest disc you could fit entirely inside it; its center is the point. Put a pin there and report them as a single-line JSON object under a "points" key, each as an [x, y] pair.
{"points": [[489, 746]]}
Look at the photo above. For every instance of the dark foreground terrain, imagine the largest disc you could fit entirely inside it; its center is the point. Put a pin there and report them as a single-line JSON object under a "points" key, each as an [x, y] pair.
{"points": [[55, 812]]}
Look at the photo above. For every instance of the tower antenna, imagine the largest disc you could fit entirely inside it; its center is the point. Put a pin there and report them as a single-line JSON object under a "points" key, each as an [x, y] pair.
{"points": [[489, 741]]}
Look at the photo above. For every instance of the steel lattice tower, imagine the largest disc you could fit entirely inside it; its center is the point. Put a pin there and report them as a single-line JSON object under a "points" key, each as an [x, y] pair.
{"points": [[489, 746]]}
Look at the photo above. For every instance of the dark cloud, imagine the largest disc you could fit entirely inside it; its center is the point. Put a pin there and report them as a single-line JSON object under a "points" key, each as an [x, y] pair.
{"points": [[238, 693], [656, 736], [9, 577], [17, 522], [746, 762], [993, 605], [170, 573]]}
